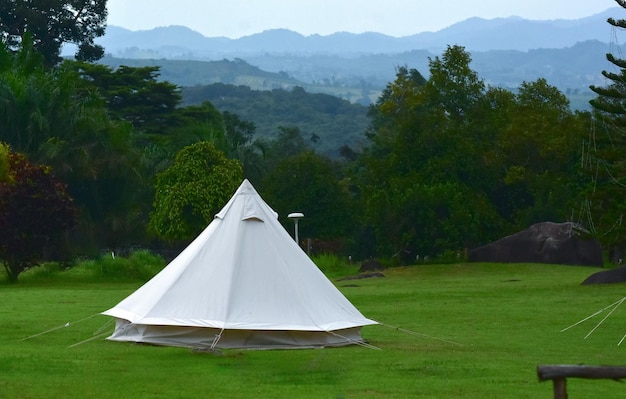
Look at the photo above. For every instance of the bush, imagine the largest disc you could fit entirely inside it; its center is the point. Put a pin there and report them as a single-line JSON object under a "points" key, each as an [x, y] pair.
{"points": [[44, 272], [141, 265], [138, 266]]}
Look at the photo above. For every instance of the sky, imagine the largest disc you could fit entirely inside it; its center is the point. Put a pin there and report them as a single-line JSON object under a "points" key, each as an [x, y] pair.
{"points": [[237, 18]]}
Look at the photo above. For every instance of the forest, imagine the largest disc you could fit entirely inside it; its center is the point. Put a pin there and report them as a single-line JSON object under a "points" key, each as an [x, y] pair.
{"points": [[327, 121], [97, 158]]}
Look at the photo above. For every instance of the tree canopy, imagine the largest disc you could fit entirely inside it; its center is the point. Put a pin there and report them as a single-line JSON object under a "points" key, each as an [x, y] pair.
{"points": [[52, 23], [191, 191], [454, 164], [310, 183]]}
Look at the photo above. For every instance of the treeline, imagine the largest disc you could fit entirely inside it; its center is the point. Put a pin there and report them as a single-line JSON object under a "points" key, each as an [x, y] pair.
{"points": [[447, 163]]}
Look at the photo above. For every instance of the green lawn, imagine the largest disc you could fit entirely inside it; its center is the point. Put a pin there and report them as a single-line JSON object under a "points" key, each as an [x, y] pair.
{"points": [[481, 330]]}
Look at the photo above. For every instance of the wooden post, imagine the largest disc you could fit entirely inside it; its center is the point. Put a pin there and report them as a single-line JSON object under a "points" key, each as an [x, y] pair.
{"points": [[560, 388], [559, 374]]}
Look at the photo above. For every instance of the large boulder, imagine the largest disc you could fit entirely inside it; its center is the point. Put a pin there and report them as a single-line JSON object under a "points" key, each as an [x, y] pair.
{"points": [[617, 275], [547, 242], [370, 265]]}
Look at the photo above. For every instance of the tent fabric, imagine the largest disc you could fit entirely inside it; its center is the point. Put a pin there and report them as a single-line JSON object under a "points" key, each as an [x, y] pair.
{"points": [[242, 283], [203, 337]]}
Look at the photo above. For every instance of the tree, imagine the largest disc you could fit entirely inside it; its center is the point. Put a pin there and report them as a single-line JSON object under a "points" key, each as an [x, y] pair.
{"points": [[238, 131], [605, 160], [310, 183], [52, 23], [453, 87], [33, 102], [35, 211], [135, 95], [191, 191], [288, 142], [539, 151], [426, 166]]}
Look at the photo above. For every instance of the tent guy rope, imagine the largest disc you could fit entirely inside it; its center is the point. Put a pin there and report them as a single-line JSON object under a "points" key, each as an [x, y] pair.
{"points": [[404, 330], [89, 339], [59, 327], [613, 308]]}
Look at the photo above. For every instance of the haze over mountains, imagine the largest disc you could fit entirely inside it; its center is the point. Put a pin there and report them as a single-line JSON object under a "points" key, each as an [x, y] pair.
{"points": [[570, 54], [476, 34]]}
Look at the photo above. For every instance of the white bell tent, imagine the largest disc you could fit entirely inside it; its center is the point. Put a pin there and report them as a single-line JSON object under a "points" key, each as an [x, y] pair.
{"points": [[242, 283]]}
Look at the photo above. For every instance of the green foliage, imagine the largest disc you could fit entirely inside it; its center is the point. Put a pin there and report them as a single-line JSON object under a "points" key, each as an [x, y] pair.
{"points": [[539, 150], [191, 191], [605, 157], [45, 272], [160, 130], [454, 165], [36, 104], [309, 183], [288, 143], [335, 122], [238, 131], [453, 87], [134, 95], [35, 212], [48, 115], [139, 266], [53, 23]]}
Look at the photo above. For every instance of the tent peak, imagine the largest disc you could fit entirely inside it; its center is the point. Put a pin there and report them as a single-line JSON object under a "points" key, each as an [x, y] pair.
{"points": [[254, 207]]}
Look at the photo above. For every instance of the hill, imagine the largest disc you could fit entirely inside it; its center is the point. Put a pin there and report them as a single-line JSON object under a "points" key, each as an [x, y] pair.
{"points": [[361, 78], [328, 121]]}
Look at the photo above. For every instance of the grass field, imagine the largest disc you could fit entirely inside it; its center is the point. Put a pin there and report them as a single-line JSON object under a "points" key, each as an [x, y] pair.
{"points": [[481, 330]]}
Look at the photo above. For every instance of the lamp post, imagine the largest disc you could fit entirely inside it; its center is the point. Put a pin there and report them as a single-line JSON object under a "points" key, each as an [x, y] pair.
{"points": [[295, 217]]}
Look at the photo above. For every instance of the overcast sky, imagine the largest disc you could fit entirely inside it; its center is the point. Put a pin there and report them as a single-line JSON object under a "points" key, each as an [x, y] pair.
{"points": [[236, 18]]}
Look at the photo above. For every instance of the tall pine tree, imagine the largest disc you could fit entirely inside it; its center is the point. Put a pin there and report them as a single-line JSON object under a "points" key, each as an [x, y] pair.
{"points": [[607, 160]]}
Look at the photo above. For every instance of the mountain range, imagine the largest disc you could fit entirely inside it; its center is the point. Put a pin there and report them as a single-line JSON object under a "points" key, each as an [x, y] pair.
{"points": [[505, 52], [475, 34]]}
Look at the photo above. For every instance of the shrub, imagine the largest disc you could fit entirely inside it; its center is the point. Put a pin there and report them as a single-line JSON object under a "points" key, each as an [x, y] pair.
{"points": [[140, 265]]}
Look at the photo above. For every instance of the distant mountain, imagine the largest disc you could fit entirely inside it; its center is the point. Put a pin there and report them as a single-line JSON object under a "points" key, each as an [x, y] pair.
{"points": [[515, 33], [476, 34], [570, 54]]}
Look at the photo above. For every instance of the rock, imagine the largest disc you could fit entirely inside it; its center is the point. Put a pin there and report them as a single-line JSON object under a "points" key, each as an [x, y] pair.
{"points": [[617, 275], [370, 266], [547, 242]]}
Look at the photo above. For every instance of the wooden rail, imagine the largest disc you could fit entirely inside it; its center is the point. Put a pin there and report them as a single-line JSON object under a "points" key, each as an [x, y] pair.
{"points": [[560, 373]]}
